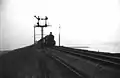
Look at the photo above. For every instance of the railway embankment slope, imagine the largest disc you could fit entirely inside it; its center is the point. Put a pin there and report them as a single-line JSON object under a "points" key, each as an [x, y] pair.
{"points": [[29, 62]]}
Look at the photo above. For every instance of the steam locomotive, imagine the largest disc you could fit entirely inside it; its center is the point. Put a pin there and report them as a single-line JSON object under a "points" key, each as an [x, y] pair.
{"points": [[47, 41]]}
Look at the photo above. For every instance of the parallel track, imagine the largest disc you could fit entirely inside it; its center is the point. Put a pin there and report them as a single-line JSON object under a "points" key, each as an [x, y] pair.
{"points": [[95, 57]]}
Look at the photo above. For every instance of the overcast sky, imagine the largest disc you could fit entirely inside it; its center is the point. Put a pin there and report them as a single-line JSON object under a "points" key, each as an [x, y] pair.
{"points": [[82, 21]]}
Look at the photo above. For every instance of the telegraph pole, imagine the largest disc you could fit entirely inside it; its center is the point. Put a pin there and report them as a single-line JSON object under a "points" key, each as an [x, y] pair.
{"points": [[59, 34], [34, 34]]}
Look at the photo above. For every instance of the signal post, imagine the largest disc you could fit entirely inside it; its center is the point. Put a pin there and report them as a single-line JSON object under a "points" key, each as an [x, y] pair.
{"points": [[42, 26]]}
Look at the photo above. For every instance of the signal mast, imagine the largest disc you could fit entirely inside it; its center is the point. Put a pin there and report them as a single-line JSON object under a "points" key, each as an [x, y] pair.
{"points": [[42, 26]]}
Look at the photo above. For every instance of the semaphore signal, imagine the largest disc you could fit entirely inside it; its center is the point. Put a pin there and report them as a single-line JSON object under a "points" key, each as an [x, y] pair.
{"points": [[42, 26]]}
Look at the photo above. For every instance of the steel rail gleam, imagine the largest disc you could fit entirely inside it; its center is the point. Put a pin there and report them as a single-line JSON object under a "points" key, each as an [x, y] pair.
{"points": [[98, 58], [70, 68]]}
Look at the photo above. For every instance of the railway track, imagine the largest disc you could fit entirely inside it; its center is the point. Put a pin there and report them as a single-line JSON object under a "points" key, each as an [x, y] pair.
{"points": [[92, 52], [110, 55], [44, 64], [95, 57], [91, 64], [74, 72], [38, 64]]}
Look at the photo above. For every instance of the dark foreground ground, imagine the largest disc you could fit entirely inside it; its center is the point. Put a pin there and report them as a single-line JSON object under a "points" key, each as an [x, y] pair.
{"points": [[29, 62], [34, 62]]}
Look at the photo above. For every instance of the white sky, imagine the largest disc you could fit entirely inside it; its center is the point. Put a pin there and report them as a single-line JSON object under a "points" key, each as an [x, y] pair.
{"points": [[82, 21]]}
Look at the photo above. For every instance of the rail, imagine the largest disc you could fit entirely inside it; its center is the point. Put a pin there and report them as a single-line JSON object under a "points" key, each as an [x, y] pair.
{"points": [[97, 58], [70, 68]]}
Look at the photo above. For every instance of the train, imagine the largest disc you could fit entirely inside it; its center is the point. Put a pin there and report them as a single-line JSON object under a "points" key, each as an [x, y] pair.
{"points": [[47, 41]]}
